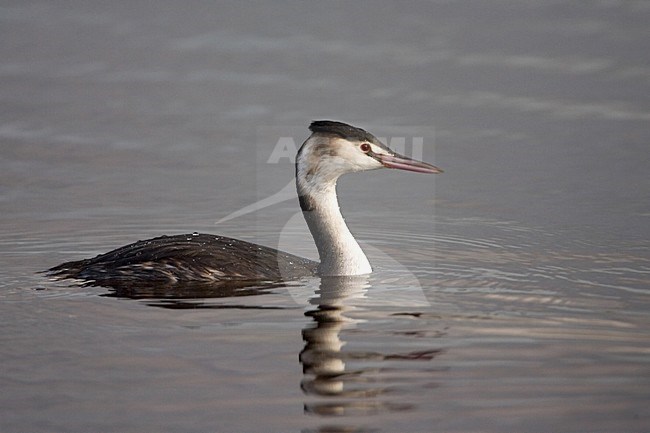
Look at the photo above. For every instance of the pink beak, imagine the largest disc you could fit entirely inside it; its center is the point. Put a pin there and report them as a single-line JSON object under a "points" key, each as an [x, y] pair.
{"points": [[403, 163]]}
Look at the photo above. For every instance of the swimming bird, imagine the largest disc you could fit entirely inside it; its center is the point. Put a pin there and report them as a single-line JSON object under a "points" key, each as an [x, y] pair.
{"points": [[332, 149]]}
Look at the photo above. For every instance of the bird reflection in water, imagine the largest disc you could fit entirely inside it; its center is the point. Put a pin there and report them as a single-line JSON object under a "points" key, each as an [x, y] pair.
{"points": [[338, 382], [342, 390], [194, 295]]}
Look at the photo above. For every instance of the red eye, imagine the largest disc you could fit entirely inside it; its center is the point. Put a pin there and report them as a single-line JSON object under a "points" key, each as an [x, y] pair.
{"points": [[365, 147]]}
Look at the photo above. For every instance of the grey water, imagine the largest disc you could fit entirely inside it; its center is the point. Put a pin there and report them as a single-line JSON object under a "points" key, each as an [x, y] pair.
{"points": [[510, 294]]}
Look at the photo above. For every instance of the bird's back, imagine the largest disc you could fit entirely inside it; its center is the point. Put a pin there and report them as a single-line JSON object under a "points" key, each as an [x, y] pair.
{"points": [[187, 258]]}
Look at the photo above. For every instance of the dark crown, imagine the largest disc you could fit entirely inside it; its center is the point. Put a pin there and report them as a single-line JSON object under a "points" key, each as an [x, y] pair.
{"points": [[341, 129]]}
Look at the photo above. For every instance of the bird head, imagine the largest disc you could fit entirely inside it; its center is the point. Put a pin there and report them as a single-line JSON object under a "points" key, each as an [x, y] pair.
{"points": [[336, 148]]}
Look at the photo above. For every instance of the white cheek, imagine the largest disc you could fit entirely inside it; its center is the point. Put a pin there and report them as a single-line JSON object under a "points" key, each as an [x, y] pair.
{"points": [[370, 163], [335, 166], [356, 160]]}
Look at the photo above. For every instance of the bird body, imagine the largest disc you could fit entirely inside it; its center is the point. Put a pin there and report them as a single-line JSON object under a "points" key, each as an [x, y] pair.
{"points": [[185, 258]]}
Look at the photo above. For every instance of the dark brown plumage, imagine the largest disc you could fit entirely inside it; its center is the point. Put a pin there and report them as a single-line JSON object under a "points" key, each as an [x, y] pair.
{"points": [[185, 258]]}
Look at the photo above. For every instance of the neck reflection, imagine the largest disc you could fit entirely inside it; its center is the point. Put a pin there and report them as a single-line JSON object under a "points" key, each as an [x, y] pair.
{"points": [[354, 382], [340, 390], [323, 362]]}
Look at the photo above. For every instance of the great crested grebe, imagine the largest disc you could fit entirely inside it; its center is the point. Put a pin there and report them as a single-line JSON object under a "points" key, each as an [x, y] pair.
{"points": [[333, 149]]}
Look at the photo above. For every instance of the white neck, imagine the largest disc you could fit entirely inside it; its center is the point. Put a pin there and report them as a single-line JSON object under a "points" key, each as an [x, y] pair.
{"points": [[339, 252]]}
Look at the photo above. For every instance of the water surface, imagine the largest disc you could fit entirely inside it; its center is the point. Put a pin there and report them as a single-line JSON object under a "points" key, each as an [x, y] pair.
{"points": [[510, 293]]}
